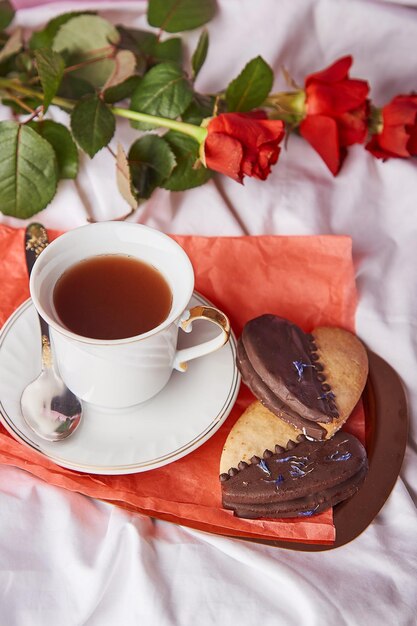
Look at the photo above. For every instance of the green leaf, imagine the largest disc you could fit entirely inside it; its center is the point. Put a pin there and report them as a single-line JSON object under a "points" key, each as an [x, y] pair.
{"points": [[164, 91], [92, 124], [168, 50], [24, 63], [32, 103], [122, 90], [74, 88], [84, 38], [28, 169], [200, 53], [6, 14], [185, 175], [148, 49], [142, 41], [50, 66], [174, 16], [200, 108], [44, 38], [12, 45], [124, 68], [8, 66], [251, 87], [63, 144], [151, 161], [124, 178]]}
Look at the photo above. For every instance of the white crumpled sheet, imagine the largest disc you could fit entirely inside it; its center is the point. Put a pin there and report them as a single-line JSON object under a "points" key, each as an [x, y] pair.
{"points": [[66, 559]]}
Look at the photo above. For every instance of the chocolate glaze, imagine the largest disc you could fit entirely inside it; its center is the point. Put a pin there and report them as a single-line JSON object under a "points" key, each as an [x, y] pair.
{"points": [[309, 478], [303, 507], [271, 401], [285, 359]]}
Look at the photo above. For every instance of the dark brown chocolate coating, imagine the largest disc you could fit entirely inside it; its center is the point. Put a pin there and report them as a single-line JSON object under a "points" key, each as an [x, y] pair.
{"points": [[261, 391], [304, 481], [274, 346]]}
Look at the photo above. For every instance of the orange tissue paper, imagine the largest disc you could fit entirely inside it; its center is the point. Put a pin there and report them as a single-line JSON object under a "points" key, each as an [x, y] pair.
{"points": [[308, 279]]}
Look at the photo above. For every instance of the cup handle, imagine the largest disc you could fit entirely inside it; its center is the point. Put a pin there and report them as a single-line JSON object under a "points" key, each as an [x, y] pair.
{"points": [[211, 315]]}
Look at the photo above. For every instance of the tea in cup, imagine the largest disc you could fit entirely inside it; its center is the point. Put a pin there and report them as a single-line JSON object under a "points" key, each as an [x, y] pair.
{"points": [[115, 295]]}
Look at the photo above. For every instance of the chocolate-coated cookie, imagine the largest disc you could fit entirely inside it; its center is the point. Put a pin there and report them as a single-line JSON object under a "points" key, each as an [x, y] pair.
{"points": [[303, 480]]}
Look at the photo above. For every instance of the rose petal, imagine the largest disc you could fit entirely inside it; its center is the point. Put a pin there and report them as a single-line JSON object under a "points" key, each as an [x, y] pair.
{"points": [[374, 148], [394, 139], [248, 130], [336, 98], [353, 126], [334, 73], [401, 110], [252, 145], [412, 142], [267, 155], [224, 154], [321, 132]]}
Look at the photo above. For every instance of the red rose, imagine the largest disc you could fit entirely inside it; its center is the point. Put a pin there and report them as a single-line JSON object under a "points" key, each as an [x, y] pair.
{"points": [[243, 144], [398, 135], [336, 112]]}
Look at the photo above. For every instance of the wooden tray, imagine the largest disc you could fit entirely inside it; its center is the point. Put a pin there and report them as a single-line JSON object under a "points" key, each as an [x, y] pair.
{"points": [[386, 414]]}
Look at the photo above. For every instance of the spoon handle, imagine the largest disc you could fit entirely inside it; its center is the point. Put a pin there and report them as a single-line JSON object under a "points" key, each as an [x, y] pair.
{"points": [[36, 240]]}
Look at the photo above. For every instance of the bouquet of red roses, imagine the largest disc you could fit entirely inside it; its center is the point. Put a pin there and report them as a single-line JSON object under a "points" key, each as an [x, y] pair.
{"points": [[98, 72]]}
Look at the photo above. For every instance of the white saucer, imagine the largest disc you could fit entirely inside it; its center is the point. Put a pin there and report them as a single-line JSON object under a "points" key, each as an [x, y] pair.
{"points": [[185, 414]]}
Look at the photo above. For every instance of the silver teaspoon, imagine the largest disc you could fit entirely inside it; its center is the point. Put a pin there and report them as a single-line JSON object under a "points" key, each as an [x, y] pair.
{"points": [[49, 408]]}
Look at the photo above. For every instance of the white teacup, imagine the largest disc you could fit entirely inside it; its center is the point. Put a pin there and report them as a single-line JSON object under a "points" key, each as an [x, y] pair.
{"points": [[122, 372]]}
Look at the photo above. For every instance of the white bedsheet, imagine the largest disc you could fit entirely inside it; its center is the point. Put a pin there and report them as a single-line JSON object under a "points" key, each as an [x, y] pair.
{"points": [[66, 559]]}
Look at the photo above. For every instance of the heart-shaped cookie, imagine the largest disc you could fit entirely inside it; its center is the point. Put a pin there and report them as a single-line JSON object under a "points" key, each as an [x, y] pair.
{"points": [[303, 481], [343, 368], [280, 361]]}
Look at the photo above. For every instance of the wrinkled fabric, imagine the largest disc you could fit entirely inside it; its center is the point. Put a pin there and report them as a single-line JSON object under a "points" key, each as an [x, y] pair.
{"points": [[69, 559]]}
